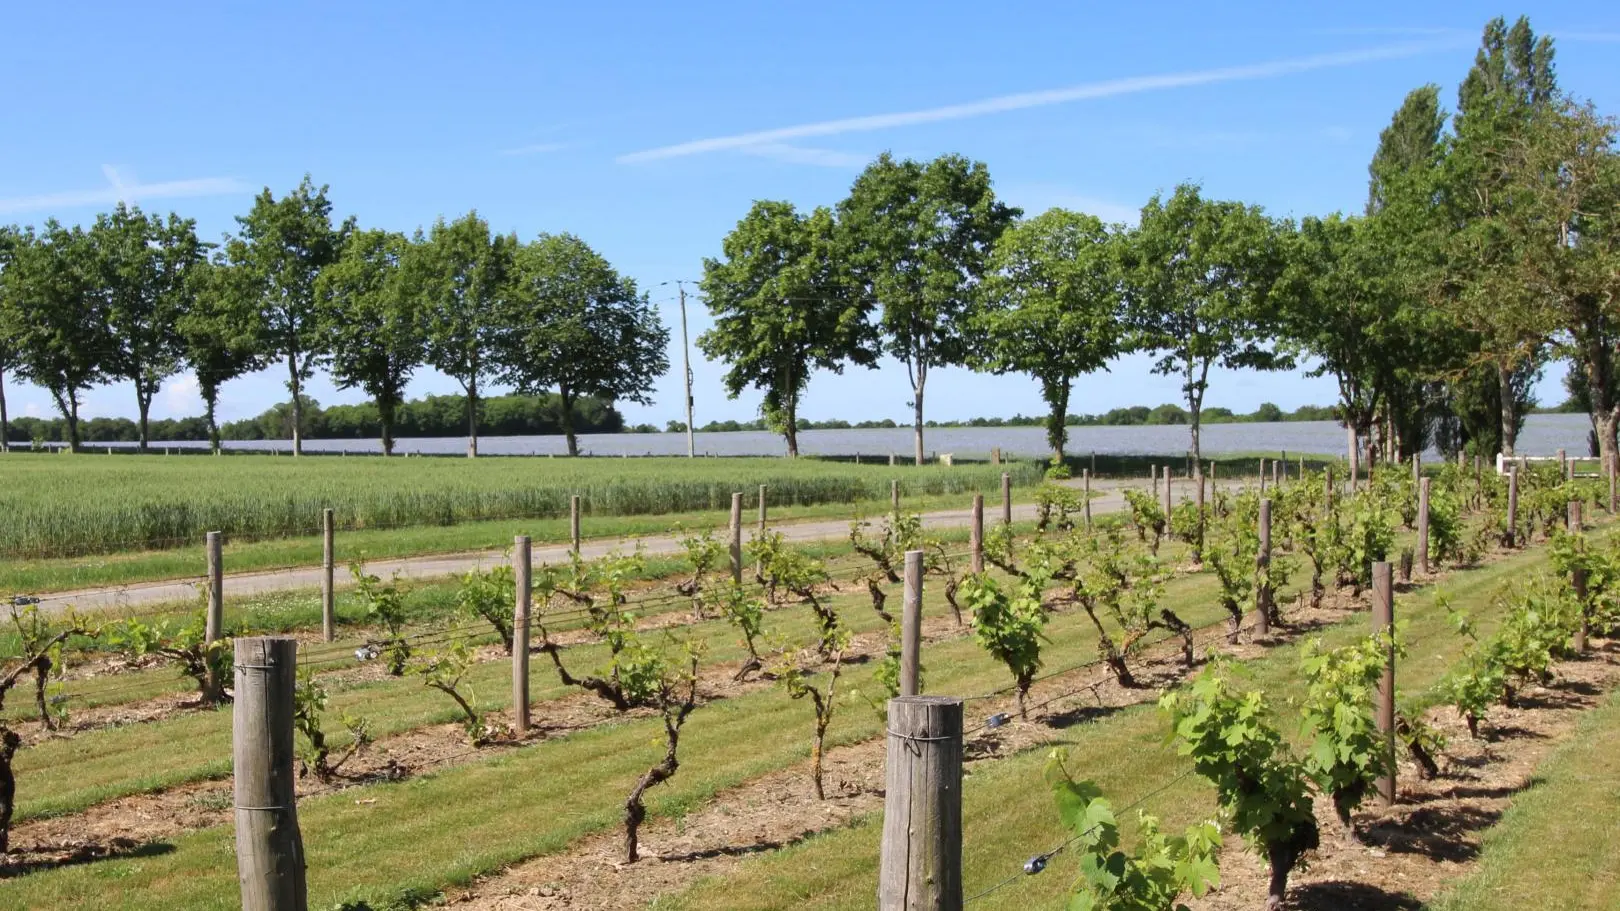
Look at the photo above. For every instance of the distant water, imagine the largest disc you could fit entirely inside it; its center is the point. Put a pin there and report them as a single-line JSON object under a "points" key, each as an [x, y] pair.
{"points": [[1543, 434]]}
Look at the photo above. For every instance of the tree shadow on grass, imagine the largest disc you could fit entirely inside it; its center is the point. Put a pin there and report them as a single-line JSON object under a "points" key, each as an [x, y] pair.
{"points": [[1441, 833], [1348, 896], [39, 858]]}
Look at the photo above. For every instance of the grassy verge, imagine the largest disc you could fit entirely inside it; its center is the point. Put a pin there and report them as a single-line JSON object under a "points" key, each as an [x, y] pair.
{"points": [[391, 841], [1558, 845]]}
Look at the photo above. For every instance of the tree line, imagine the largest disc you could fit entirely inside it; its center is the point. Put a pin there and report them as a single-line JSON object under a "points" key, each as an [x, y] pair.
{"points": [[1134, 415], [1489, 245], [139, 298]]}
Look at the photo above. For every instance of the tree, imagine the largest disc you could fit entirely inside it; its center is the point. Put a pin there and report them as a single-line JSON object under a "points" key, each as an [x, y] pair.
{"points": [[371, 318], [221, 333], [464, 271], [781, 311], [572, 322], [1197, 276], [143, 265], [283, 246], [917, 238], [9, 238], [1051, 307], [1481, 282], [56, 316]]}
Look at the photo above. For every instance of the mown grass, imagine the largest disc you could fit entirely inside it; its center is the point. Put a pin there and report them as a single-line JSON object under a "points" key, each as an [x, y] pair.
{"points": [[385, 842], [64, 505], [1558, 845]]}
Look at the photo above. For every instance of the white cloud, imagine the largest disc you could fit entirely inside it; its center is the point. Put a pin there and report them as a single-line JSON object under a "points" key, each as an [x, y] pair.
{"points": [[126, 192], [792, 154], [1004, 103], [182, 396], [538, 148]]}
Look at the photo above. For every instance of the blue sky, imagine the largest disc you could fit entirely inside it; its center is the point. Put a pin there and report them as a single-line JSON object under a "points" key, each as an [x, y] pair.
{"points": [[649, 128]]}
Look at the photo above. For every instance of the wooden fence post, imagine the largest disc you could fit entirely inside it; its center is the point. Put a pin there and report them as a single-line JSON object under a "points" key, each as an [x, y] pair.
{"points": [[1513, 508], [911, 627], [1006, 498], [1417, 467], [328, 597], [1577, 581], [976, 535], [894, 497], [1572, 517], [921, 860], [1086, 480], [1276, 472], [736, 538], [1262, 477], [1262, 565], [1563, 465], [759, 566], [1198, 536], [1168, 501], [269, 847], [1383, 619], [214, 622], [522, 565], [1423, 526], [573, 522]]}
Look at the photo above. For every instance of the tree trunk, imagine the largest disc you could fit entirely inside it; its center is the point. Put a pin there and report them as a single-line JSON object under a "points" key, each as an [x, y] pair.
{"points": [[297, 388], [1598, 378], [1057, 395], [565, 417], [143, 405], [73, 420], [917, 407], [472, 417], [790, 425], [385, 415], [5, 421], [1504, 385], [210, 405]]}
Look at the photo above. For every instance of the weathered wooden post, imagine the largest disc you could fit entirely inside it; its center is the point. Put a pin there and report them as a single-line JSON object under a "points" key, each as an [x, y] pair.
{"points": [[1355, 457], [1417, 467], [736, 538], [911, 627], [1262, 565], [573, 522], [269, 847], [1572, 518], [1168, 501], [1578, 582], [1262, 477], [1276, 472], [214, 623], [1006, 498], [1327, 486], [1085, 480], [921, 856], [1198, 536], [759, 567], [1614, 501], [976, 536], [1563, 465], [1383, 621], [1423, 526], [328, 562], [522, 566], [894, 497], [1513, 508]]}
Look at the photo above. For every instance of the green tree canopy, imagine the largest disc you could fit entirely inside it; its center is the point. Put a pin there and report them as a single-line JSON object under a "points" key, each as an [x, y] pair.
{"points": [[1198, 274], [1051, 307], [221, 333], [462, 280], [917, 237], [282, 247], [572, 323], [371, 316], [782, 310]]}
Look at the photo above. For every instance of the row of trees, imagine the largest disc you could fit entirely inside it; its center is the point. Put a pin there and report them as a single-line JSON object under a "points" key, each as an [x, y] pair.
{"points": [[139, 298], [1489, 245]]}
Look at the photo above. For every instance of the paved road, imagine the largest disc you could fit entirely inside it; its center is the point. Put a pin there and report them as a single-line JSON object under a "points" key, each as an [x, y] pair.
{"points": [[242, 585]]}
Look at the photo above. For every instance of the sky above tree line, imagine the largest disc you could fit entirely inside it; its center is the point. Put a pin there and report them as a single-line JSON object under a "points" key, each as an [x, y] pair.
{"points": [[648, 130]]}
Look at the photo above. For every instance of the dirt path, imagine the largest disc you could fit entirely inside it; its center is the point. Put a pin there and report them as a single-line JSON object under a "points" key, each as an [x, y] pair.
{"points": [[243, 585]]}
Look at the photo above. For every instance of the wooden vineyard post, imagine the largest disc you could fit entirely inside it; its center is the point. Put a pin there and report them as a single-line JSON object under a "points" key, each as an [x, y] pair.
{"points": [[328, 598], [522, 566], [1198, 536], [1578, 582], [214, 623], [976, 535], [1262, 478], [921, 861], [1153, 479], [736, 538], [911, 627], [894, 498], [1355, 458], [1513, 508], [1006, 498], [1276, 472], [269, 848], [1167, 501], [1383, 621], [1563, 465], [759, 567], [1423, 526], [1572, 518], [1417, 467], [573, 523], [1086, 491], [1614, 501], [1262, 566]]}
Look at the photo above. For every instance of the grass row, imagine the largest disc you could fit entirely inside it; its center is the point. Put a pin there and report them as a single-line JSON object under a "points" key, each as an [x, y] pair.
{"points": [[421, 835], [64, 506]]}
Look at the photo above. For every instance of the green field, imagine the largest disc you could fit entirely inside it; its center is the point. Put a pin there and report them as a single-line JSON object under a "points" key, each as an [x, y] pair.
{"points": [[66, 505]]}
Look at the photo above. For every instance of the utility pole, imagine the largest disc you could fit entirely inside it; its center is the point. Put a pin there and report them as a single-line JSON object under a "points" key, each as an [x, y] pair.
{"points": [[686, 364]]}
